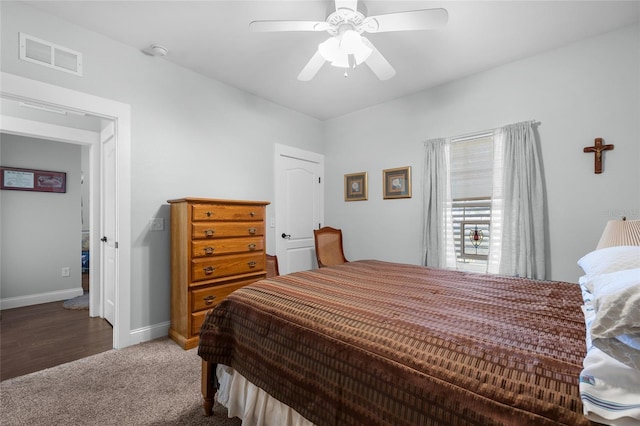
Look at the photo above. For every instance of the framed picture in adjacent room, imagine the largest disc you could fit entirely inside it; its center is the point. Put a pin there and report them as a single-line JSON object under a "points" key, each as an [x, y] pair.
{"points": [[32, 180], [355, 187], [396, 183]]}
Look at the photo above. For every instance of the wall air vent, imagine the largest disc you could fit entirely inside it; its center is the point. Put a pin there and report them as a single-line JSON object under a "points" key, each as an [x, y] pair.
{"points": [[50, 55]]}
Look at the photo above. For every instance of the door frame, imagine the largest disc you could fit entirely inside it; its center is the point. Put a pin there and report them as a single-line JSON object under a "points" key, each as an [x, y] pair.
{"points": [[24, 89]]}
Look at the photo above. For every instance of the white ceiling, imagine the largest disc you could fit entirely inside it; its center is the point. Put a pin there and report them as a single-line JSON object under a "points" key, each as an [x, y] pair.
{"points": [[213, 38]]}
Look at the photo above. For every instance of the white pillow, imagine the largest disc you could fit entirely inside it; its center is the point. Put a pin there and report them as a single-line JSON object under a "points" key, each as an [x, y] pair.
{"points": [[610, 259], [616, 302]]}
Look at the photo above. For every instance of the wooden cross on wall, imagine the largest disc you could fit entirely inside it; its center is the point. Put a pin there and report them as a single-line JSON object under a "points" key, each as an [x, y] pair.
{"points": [[597, 150]]}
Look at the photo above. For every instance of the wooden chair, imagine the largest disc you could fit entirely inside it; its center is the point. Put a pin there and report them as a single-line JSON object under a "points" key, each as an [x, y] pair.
{"points": [[328, 243], [272, 266]]}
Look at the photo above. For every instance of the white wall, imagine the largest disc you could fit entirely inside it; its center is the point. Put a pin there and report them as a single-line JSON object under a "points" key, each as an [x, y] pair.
{"points": [[586, 90], [191, 136], [41, 231]]}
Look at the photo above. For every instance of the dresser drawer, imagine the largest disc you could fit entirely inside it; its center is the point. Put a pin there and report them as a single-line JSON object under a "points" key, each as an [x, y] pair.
{"points": [[217, 246], [217, 293], [209, 230], [226, 212], [196, 322], [210, 296], [223, 266]]}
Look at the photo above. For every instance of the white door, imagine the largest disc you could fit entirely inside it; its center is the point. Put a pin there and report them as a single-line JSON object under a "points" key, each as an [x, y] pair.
{"points": [[299, 207], [109, 205]]}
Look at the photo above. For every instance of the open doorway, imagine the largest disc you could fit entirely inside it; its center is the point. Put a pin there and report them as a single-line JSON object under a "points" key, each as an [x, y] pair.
{"points": [[41, 229], [40, 232], [114, 117]]}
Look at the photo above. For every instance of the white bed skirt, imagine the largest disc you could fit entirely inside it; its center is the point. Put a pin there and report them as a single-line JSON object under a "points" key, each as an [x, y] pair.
{"points": [[251, 404]]}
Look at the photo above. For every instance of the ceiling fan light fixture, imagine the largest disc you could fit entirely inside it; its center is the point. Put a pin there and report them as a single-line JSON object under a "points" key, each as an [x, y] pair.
{"points": [[362, 53], [329, 49], [331, 52], [342, 61], [351, 43], [337, 49]]}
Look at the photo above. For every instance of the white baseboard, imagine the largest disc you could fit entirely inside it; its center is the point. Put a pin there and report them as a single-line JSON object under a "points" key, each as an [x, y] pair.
{"points": [[36, 299], [150, 332]]}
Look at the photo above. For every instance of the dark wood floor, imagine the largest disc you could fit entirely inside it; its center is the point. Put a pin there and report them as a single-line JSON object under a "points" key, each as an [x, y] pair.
{"points": [[36, 337]]}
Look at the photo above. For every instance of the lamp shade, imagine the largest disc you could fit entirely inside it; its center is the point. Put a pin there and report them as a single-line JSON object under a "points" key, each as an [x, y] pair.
{"points": [[351, 43], [338, 48], [330, 51], [620, 233]]}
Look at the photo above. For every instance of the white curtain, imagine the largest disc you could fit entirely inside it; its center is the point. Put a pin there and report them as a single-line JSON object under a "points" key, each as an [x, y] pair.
{"points": [[517, 225], [517, 237], [438, 248]]}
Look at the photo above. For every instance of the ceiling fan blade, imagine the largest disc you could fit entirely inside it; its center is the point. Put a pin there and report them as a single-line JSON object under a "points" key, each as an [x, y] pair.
{"points": [[268, 26], [425, 19], [378, 64], [313, 66], [347, 4]]}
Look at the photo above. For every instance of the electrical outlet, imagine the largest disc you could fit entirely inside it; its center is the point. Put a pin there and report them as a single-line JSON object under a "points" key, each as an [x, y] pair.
{"points": [[156, 224], [66, 271]]}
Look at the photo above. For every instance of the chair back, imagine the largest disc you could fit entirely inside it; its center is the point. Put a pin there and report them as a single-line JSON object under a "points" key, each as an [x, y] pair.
{"points": [[272, 266], [329, 251]]}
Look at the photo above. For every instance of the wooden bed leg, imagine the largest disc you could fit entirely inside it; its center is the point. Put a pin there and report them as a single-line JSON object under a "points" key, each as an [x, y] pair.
{"points": [[209, 386]]}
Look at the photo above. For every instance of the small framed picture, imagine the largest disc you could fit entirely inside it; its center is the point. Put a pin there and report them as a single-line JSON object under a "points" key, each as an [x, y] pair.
{"points": [[355, 187], [32, 180], [396, 182]]}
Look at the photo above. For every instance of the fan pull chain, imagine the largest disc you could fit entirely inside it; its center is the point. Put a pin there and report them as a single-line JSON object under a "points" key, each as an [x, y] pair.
{"points": [[346, 73]]}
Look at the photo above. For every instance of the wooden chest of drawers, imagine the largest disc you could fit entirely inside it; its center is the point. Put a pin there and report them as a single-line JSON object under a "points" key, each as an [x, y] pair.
{"points": [[217, 246]]}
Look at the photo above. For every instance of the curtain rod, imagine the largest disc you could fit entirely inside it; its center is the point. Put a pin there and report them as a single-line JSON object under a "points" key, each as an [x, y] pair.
{"points": [[485, 133]]}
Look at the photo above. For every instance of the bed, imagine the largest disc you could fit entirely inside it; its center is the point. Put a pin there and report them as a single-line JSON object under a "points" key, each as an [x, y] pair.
{"points": [[372, 342]]}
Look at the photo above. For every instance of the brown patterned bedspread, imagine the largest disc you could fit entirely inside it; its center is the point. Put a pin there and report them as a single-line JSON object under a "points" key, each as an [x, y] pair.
{"points": [[372, 342]]}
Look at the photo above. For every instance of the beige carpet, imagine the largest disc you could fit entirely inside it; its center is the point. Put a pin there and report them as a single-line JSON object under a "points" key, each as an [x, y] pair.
{"points": [[154, 383]]}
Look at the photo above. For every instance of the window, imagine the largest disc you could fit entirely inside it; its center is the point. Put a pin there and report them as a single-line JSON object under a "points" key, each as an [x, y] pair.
{"points": [[484, 203], [471, 167], [471, 227]]}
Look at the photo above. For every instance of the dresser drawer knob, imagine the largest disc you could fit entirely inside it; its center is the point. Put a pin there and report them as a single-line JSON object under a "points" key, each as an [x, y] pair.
{"points": [[208, 213], [209, 300], [208, 250], [252, 231], [251, 264], [252, 214], [209, 232], [252, 246], [209, 270]]}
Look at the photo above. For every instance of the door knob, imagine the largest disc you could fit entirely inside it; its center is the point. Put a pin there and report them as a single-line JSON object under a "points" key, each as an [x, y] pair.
{"points": [[103, 239], [286, 236]]}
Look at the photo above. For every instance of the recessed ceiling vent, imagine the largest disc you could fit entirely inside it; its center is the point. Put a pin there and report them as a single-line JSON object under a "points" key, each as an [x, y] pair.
{"points": [[50, 55]]}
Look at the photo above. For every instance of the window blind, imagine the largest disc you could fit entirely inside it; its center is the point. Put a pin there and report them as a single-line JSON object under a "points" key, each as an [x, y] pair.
{"points": [[471, 163]]}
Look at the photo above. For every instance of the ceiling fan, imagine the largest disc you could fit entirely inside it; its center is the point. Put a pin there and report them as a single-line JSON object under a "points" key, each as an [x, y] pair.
{"points": [[346, 47]]}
